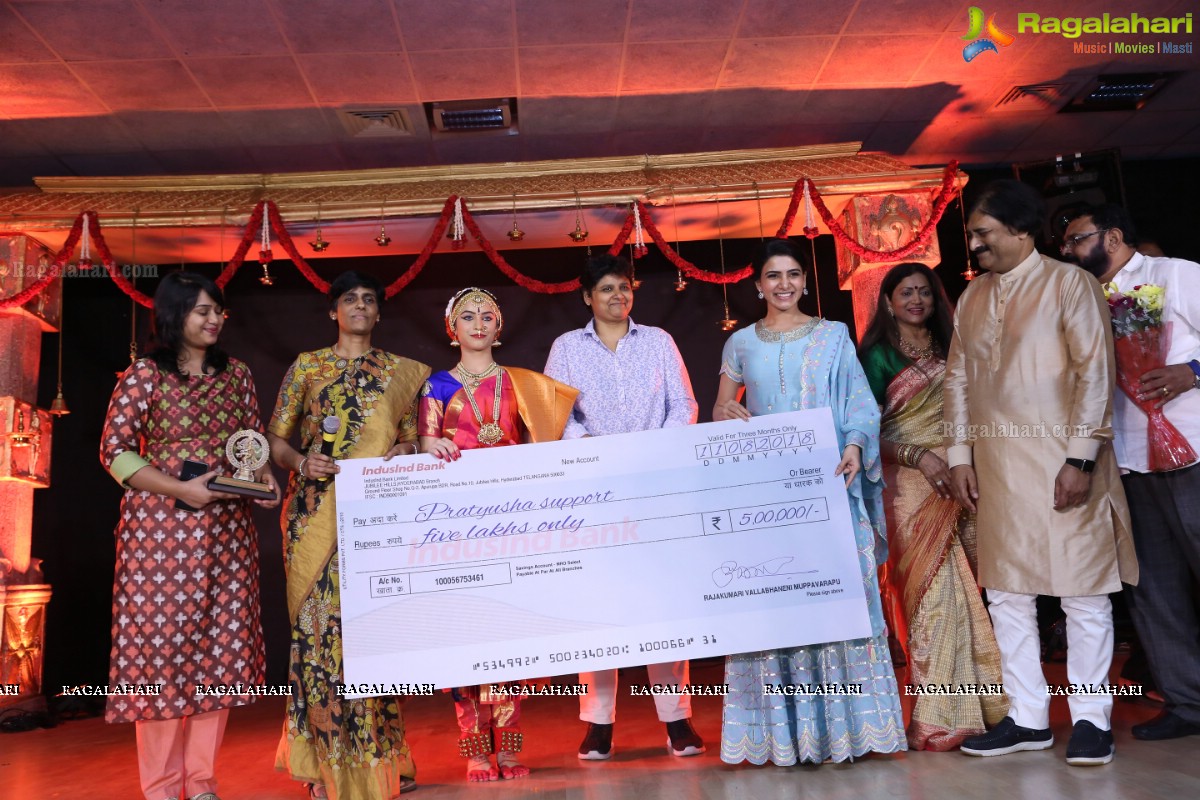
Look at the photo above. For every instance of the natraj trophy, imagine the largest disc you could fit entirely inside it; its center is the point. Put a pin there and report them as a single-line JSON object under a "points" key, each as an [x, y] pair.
{"points": [[247, 451]]}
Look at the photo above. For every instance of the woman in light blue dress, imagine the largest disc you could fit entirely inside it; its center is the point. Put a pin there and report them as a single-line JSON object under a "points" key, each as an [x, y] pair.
{"points": [[789, 361]]}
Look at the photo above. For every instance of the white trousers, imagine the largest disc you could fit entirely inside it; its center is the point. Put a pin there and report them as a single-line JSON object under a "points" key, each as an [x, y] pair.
{"points": [[599, 705], [1089, 656]]}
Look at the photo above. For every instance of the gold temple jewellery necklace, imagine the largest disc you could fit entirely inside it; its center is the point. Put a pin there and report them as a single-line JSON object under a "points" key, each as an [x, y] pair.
{"points": [[473, 379], [916, 352], [490, 432]]}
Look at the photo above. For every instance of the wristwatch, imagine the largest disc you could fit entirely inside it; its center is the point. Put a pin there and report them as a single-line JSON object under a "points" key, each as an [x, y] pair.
{"points": [[1195, 365], [1082, 464]]}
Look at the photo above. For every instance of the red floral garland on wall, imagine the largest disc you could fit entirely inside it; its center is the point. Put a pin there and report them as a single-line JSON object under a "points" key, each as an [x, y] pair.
{"points": [[239, 255], [439, 229], [289, 247], [123, 283], [532, 284], [687, 267], [37, 287], [946, 194]]}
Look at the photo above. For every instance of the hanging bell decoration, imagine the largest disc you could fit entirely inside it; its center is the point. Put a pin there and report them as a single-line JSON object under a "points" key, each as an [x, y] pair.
{"points": [[264, 250], [516, 234], [58, 406], [264, 258], [580, 234], [969, 273], [383, 240], [728, 323], [318, 245], [680, 282]]}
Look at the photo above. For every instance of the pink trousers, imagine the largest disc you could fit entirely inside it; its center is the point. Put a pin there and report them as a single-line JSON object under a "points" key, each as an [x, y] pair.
{"points": [[176, 756]]}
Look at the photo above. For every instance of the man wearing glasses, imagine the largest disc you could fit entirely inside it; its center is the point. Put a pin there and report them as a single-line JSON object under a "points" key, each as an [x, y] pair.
{"points": [[1165, 506]]}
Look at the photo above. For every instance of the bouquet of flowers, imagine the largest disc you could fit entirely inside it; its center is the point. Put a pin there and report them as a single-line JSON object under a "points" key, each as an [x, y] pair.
{"points": [[1142, 341]]}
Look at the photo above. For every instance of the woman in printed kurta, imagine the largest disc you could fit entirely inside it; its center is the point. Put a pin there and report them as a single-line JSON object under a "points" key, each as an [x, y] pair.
{"points": [[481, 404], [949, 638], [341, 748], [185, 597], [790, 361]]}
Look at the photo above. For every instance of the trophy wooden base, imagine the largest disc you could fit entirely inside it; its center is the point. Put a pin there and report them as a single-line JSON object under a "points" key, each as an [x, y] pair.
{"points": [[253, 489]]}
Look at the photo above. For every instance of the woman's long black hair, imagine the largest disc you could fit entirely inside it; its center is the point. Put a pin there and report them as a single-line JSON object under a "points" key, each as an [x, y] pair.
{"points": [[883, 327], [176, 297]]}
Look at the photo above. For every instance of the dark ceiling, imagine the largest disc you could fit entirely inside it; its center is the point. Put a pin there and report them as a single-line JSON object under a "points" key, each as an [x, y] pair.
{"points": [[166, 87]]}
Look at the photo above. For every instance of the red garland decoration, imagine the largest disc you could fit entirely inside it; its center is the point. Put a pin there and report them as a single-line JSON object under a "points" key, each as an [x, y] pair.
{"points": [[687, 267], [789, 217], [53, 271], [32, 290], [239, 255], [532, 284], [123, 283], [622, 236], [439, 229], [289, 247], [946, 194]]}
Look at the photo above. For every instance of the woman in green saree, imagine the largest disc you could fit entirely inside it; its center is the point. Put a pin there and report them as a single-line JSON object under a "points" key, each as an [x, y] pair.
{"points": [[941, 620]]}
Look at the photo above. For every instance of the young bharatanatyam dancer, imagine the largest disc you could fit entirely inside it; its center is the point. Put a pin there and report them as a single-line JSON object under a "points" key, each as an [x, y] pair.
{"points": [[481, 404]]}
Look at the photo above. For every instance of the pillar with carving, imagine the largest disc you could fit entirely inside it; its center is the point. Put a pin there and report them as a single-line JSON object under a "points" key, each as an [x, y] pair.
{"points": [[25, 441]]}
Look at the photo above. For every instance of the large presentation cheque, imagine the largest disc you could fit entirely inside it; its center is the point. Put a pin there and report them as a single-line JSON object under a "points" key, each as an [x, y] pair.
{"points": [[555, 558]]}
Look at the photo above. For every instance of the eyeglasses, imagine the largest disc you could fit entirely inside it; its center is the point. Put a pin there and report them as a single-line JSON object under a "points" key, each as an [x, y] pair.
{"points": [[1071, 242]]}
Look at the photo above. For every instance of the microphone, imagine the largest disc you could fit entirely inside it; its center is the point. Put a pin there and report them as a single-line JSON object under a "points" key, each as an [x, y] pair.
{"points": [[329, 429]]}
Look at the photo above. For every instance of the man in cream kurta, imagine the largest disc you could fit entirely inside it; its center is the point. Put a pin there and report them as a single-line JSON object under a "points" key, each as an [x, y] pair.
{"points": [[1028, 411]]}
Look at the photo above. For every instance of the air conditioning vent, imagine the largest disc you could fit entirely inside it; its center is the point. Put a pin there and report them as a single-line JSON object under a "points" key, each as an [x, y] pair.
{"points": [[472, 116], [1125, 92], [1033, 97], [376, 123]]}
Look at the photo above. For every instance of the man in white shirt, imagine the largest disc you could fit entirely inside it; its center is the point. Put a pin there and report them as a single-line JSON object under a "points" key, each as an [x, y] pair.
{"points": [[1165, 506]]}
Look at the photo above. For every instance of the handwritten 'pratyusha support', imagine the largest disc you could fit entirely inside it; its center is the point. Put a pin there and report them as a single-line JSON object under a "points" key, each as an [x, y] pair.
{"points": [[441, 510]]}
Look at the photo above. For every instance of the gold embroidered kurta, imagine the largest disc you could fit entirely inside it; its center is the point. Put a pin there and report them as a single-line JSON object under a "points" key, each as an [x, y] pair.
{"points": [[1029, 383]]}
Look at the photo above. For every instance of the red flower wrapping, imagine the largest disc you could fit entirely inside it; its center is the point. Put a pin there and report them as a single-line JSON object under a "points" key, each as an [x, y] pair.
{"points": [[1137, 354]]}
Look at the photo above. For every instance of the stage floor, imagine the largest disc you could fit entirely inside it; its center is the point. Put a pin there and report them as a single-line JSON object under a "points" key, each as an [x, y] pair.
{"points": [[89, 760]]}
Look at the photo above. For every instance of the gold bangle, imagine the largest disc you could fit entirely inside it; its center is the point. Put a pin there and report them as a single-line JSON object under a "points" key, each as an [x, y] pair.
{"points": [[917, 454], [300, 469]]}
